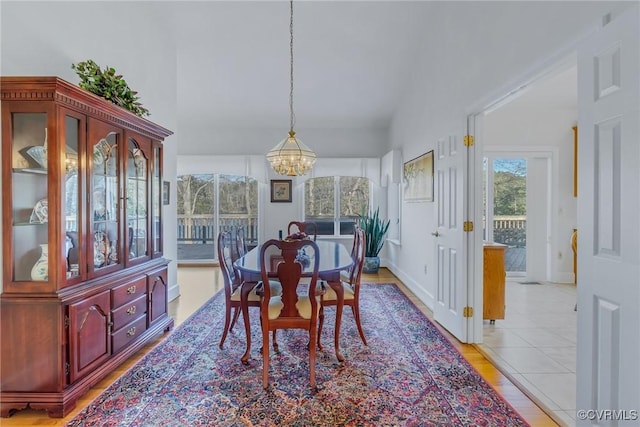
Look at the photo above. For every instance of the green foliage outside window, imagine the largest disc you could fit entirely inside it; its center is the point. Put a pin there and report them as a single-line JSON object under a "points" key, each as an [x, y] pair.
{"points": [[336, 215], [195, 194], [510, 187]]}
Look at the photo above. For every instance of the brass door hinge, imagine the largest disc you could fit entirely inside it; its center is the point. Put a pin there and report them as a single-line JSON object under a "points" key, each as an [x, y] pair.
{"points": [[67, 368], [66, 322], [467, 226], [468, 140], [467, 312]]}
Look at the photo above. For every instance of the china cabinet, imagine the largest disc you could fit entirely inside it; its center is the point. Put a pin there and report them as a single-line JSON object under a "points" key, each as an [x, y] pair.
{"points": [[84, 281]]}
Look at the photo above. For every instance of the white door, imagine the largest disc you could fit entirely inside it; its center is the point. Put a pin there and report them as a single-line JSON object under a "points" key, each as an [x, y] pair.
{"points": [[608, 351], [451, 249]]}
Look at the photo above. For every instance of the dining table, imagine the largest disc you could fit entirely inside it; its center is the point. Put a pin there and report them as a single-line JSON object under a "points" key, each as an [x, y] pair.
{"points": [[334, 258]]}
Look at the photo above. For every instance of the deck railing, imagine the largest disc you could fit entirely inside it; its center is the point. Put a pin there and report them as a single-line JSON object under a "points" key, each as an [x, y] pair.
{"points": [[202, 229], [510, 230]]}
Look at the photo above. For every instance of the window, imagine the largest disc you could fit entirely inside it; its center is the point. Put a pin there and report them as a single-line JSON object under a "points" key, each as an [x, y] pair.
{"points": [[334, 203], [505, 208], [210, 203]]}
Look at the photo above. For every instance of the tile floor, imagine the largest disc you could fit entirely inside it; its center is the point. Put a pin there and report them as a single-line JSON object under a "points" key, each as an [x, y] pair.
{"points": [[536, 344]]}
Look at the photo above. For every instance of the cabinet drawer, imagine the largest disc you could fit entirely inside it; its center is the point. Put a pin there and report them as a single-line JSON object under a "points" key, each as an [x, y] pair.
{"points": [[128, 292], [128, 333], [128, 312]]}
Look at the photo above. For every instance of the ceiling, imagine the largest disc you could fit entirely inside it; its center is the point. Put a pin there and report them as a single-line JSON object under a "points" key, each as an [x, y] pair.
{"points": [[557, 91], [351, 61], [354, 61]]}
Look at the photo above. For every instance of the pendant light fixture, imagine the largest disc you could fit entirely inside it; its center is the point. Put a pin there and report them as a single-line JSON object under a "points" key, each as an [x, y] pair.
{"points": [[291, 156]]}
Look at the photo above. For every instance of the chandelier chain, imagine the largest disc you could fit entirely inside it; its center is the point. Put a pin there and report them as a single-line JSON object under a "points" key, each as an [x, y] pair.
{"points": [[291, 156], [291, 113]]}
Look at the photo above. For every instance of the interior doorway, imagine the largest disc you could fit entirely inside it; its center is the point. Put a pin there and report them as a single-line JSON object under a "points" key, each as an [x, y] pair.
{"points": [[532, 137]]}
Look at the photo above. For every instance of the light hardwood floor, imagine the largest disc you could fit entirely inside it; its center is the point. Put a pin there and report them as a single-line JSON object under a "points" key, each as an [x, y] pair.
{"points": [[199, 283]]}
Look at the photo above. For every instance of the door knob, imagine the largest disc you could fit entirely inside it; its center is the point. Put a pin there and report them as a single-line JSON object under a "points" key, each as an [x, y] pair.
{"points": [[436, 233]]}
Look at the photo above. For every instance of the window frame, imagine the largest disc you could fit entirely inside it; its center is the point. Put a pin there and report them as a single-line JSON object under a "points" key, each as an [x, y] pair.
{"points": [[216, 222], [336, 204]]}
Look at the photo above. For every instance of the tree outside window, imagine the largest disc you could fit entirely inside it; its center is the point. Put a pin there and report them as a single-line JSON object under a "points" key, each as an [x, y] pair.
{"points": [[210, 203], [334, 203]]}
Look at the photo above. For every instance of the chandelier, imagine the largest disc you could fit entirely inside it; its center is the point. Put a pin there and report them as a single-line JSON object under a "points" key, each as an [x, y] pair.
{"points": [[291, 156]]}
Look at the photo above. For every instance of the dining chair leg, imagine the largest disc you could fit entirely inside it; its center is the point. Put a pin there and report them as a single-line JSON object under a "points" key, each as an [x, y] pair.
{"points": [[265, 359], [244, 296], [312, 357], [236, 314], [355, 309], [320, 324], [227, 321], [337, 287]]}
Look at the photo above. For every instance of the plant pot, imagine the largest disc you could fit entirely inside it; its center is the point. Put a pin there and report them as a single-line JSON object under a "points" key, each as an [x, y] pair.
{"points": [[371, 264]]}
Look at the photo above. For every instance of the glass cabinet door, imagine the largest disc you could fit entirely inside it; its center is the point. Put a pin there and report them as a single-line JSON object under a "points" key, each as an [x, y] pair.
{"points": [[30, 228], [137, 200], [73, 127], [156, 201], [105, 218]]}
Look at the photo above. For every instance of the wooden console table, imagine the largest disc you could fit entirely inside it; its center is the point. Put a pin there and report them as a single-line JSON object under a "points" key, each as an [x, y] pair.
{"points": [[493, 281]]}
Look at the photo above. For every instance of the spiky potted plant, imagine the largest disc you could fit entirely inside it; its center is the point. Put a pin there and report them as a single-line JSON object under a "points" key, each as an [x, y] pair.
{"points": [[375, 230]]}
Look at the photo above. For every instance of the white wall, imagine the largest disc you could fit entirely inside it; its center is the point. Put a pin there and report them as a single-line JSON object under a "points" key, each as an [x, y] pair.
{"points": [[331, 142], [45, 38], [504, 45]]}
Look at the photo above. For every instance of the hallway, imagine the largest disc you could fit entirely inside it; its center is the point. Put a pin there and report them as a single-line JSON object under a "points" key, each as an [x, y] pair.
{"points": [[536, 343]]}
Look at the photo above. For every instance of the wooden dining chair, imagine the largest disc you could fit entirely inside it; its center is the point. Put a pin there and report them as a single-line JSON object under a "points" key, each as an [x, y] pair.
{"points": [[351, 288], [297, 307], [345, 275], [241, 243], [308, 227], [240, 248], [236, 291]]}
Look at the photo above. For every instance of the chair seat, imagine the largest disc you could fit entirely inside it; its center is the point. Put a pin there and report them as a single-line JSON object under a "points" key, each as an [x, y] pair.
{"points": [[330, 294], [276, 289], [303, 306], [345, 276]]}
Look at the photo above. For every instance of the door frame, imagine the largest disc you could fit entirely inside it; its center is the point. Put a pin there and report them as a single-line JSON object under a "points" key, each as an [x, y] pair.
{"points": [[551, 155], [475, 118]]}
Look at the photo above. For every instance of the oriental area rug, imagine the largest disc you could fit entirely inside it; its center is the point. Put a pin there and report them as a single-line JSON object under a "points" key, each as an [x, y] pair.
{"points": [[408, 375]]}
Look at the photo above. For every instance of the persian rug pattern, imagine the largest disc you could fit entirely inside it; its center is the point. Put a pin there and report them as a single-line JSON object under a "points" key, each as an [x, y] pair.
{"points": [[408, 375]]}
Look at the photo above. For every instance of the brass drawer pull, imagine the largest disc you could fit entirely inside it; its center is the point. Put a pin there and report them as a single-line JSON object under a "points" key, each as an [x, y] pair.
{"points": [[131, 289], [131, 332], [131, 310]]}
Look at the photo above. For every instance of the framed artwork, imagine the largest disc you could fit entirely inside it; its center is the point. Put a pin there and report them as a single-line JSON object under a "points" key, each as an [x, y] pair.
{"points": [[417, 179], [166, 187], [281, 190]]}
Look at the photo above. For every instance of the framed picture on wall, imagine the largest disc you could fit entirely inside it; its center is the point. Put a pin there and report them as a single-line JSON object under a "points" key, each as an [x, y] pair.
{"points": [[417, 179], [281, 190]]}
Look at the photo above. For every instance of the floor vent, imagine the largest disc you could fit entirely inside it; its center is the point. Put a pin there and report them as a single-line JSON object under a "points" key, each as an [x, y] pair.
{"points": [[529, 283]]}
